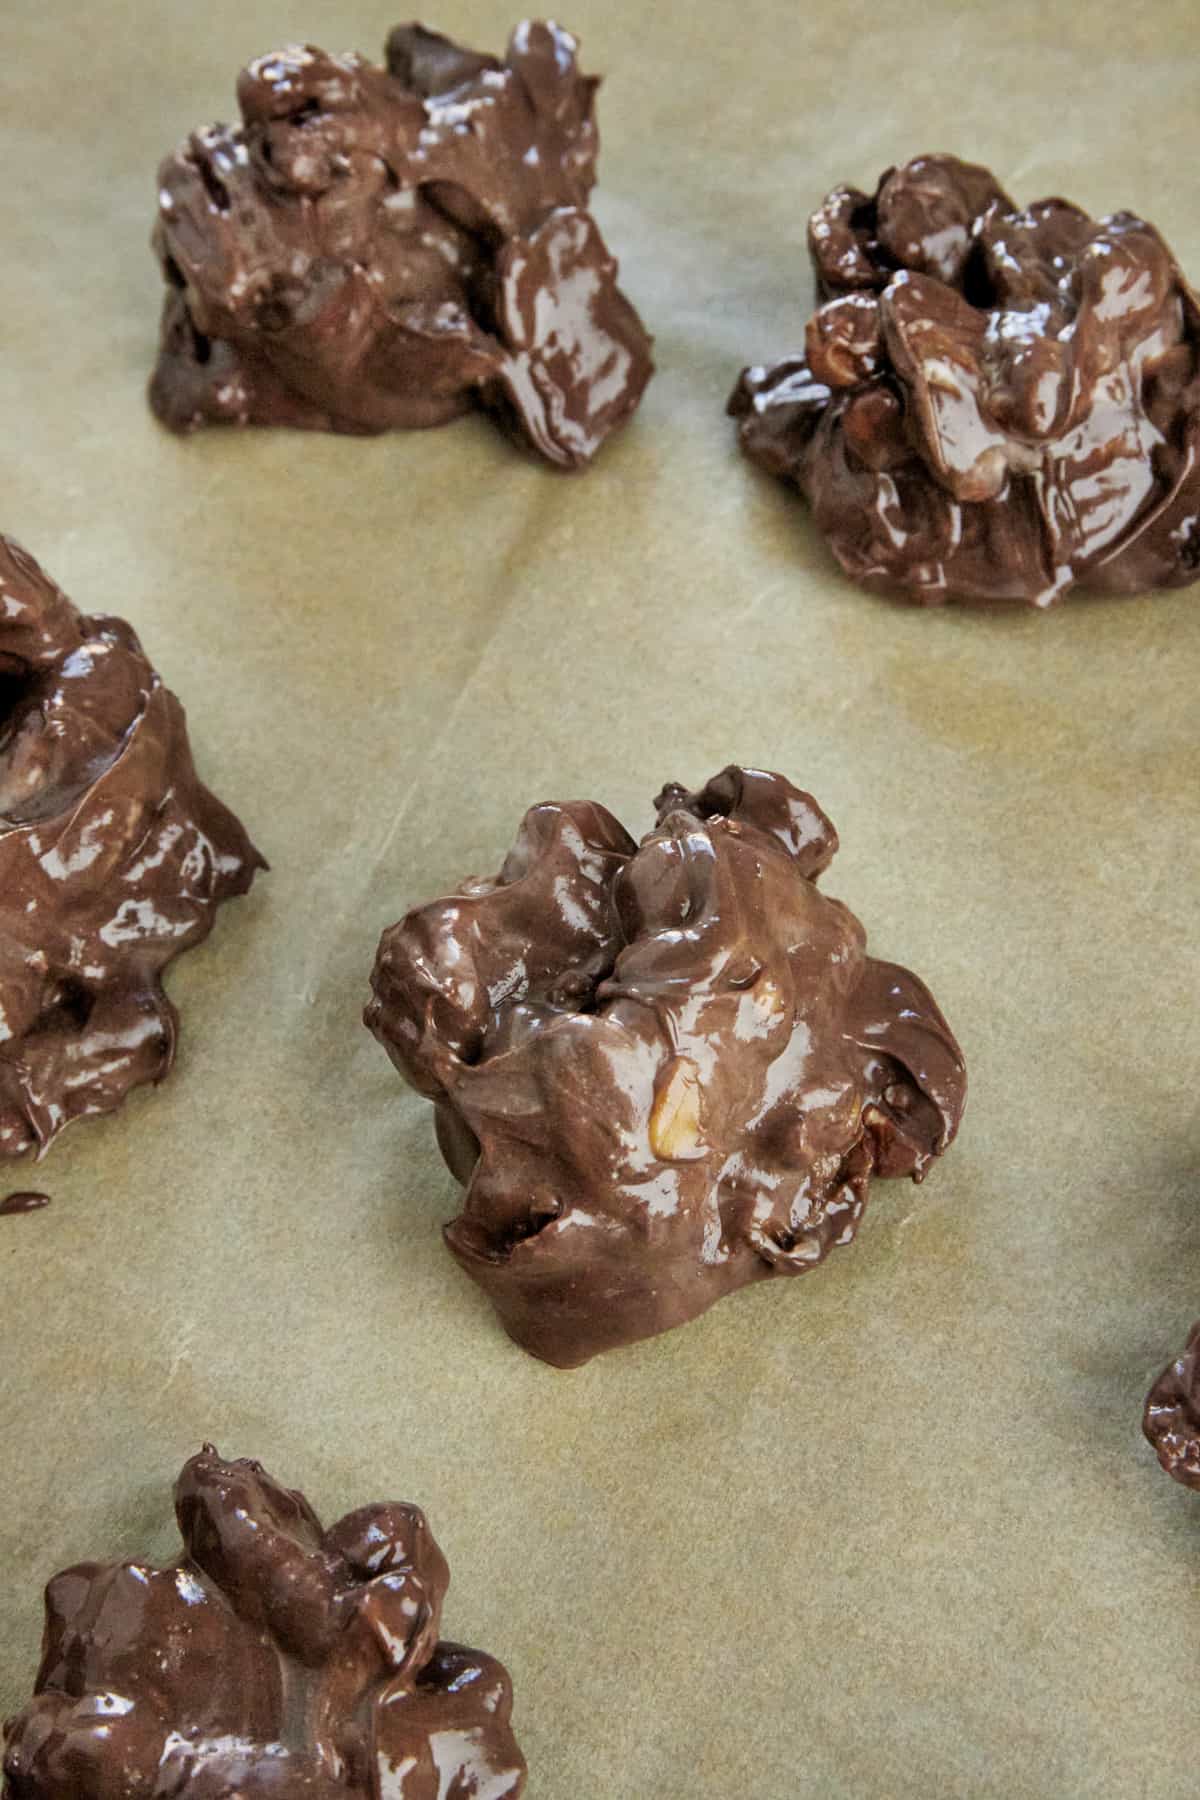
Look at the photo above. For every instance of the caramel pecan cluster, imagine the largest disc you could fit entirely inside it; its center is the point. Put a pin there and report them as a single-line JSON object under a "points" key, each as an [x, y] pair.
{"points": [[381, 247], [662, 1071], [993, 404], [272, 1658]]}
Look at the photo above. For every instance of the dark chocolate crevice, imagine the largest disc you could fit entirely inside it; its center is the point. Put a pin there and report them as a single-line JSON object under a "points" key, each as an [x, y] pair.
{"points": [[67, 1008], [979, 290], [201, 345], [15, 688]]}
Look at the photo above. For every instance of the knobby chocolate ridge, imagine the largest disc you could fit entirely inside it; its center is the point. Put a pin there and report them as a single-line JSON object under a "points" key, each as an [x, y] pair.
{"points": [[113, 859], [662, 1071], [271, 1658], [993, 404], [376, 248]]}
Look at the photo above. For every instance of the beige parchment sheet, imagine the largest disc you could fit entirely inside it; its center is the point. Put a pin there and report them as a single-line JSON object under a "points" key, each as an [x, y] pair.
{"points": [[889, 1530]]}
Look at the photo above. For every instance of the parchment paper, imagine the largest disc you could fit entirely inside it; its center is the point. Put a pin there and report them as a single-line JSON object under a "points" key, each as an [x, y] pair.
{"points": [[887, 1530]]}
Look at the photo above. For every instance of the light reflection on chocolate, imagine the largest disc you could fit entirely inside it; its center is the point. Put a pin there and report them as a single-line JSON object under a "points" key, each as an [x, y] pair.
{"points": [[662, 1072], [375, 248], [272, 1658], [1171, 1420], [113, 859], [22, 1202], [993, 404]]}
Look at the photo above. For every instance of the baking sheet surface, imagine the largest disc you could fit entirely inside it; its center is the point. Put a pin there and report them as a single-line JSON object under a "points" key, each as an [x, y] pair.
{"points": [[888, 1530]]}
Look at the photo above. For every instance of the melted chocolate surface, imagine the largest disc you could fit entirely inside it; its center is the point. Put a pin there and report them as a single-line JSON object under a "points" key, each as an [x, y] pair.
{"points": [[113, 859], [272, 1657], [994, 403], [13, 1205], [662, 1071], [387, 247], [1172, 1417]]}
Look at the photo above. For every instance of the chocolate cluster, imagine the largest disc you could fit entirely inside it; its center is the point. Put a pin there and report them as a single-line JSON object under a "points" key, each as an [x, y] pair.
{"points": [[375, 248], [113, 859], [993, 404], [1172, 1417], [272, 1658], [662, 1071]]}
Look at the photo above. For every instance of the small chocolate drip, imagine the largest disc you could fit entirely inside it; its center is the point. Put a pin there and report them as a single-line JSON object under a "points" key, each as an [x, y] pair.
{"points": [[23, 1203]]}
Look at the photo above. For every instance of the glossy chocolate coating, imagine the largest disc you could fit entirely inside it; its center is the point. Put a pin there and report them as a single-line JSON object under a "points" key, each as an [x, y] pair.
{"points": [[113, 859], [1172, 1417], [992, 405], [13, 1205], [661, 1071], [389, 247], [272, 1657]]}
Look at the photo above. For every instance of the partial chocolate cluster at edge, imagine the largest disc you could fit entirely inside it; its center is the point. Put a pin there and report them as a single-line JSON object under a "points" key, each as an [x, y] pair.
{"points": [[661, 1071], [1172, 1417], [113, 859], [271, 1658], [375, 248], [993, 404]]}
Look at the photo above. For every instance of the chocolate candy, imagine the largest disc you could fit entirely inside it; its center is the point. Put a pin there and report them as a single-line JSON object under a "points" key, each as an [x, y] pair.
{"points": [[662, 1072], [14, 1205], [390, 247], [271, 1658], [1172, 1417], [113, 859], [993, 405]]}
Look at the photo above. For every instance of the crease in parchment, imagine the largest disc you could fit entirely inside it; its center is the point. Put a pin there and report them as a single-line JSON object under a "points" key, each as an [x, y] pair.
{"points": [[506, 583]]}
